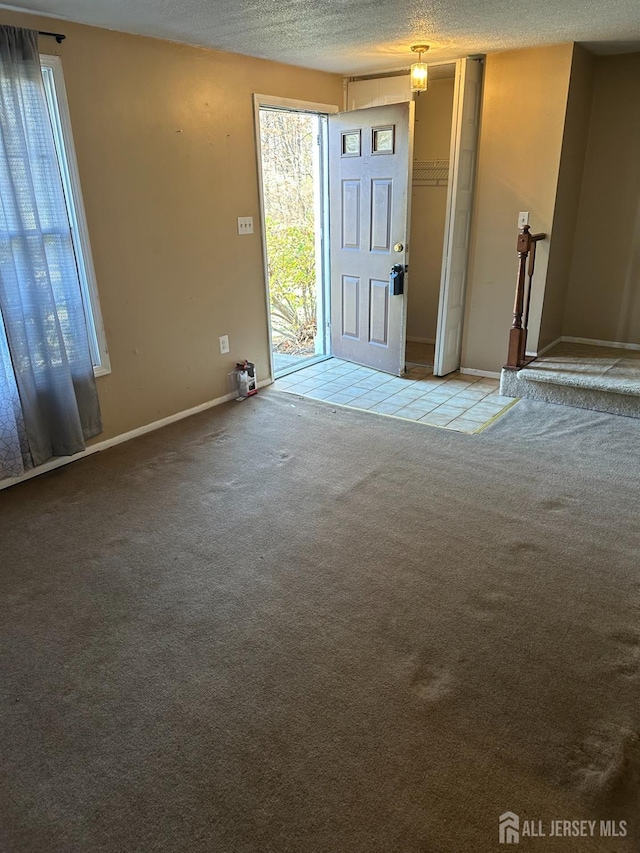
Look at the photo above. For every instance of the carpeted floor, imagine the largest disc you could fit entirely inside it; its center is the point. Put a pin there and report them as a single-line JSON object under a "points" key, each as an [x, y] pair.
{"points": [[287, 627], [586, 366]]}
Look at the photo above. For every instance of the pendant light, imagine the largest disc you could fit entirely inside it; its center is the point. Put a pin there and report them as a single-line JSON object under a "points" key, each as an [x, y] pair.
{"points": [[419, 71]]}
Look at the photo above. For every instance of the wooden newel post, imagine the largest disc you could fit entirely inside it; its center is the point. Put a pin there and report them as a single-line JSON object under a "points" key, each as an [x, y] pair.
{"points": [[517, 356], [518, 334]]}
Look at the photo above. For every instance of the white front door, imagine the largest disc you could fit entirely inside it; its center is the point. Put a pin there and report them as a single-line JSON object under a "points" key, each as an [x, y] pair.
{"points": [[464, 140], [370, 153]]}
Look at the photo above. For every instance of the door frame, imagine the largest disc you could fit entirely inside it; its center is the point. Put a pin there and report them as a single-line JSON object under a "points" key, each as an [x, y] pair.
{"points": [[294, 105], [457, 66], [460, 102]]}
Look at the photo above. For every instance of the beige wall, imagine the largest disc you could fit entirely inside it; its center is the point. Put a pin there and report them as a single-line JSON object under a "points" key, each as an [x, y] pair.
{"points": [[434, 111], [165, 144], [574, 146], [523, 115], [603, 301]]}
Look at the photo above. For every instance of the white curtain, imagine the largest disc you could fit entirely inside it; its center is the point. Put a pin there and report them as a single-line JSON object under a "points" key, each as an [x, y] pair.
{"points": [[44, 349]]}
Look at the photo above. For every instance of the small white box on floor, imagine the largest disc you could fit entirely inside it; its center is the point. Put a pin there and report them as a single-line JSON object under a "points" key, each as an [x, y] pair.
{"points": [[246, 380]]}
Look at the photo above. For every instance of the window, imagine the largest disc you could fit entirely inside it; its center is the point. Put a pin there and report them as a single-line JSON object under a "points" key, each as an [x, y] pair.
{"points": [[61, 125], [350, 143]]}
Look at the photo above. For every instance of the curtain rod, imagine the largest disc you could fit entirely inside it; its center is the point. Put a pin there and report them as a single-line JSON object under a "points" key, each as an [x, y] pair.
{"points": [[59, 37]]}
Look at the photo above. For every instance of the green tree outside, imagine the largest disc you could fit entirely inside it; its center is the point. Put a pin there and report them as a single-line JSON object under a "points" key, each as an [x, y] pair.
{"points": [[287, 141]]}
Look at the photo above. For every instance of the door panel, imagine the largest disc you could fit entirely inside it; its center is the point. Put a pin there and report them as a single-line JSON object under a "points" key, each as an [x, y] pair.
{"points": [[464, 140], [350, 214], [370, 154], [350, 306], [379, 312], [381, 189]]}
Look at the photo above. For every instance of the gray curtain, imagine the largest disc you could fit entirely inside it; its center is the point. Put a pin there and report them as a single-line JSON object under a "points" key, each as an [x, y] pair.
{"points": [[14, 447], [43, 322]]}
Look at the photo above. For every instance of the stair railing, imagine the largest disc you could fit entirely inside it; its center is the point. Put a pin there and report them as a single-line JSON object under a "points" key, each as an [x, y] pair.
{"points": [[517, 355]]}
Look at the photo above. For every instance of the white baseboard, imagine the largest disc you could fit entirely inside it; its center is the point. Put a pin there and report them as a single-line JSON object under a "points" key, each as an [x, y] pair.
{"points": [[596, 343], [547, 348], [59, 461], [569, 339], [562, 339], [471, 371], [413, 340]]}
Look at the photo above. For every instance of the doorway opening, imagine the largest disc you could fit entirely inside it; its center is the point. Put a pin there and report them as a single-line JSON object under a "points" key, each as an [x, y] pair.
{"points": [[292, 145], [429, 189], [342, 292], [426, 326]]}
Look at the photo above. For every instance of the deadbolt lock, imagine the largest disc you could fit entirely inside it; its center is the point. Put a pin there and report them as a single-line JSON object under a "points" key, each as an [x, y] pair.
{"points": [[398, 247]]}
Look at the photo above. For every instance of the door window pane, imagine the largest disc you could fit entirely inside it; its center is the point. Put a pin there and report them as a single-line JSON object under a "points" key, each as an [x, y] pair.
{"points": [[351, 143], [382, 140]]}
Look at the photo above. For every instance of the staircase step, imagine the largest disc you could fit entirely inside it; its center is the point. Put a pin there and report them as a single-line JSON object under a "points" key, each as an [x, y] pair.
{"points": [[603, 388], [616, 375]]}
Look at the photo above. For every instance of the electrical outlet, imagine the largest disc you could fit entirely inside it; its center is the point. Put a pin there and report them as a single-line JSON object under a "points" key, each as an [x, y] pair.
{"points": [[523, 218], [224, 343], [245, 225]]}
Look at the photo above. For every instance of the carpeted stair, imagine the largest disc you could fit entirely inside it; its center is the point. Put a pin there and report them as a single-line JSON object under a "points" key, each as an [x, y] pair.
{"points": [[588, 377]]}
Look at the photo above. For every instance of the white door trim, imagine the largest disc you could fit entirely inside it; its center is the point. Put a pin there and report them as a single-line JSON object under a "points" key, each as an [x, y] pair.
{"points": [[460, 104], [293, 104]]}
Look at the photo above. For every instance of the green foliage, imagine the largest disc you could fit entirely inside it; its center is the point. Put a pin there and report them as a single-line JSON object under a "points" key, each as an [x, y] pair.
{"points": [[292, 282], [288, 142]]}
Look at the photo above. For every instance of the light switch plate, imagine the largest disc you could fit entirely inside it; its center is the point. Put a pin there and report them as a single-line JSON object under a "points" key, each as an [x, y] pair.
{"points": [[523, 218], [245, 225]]}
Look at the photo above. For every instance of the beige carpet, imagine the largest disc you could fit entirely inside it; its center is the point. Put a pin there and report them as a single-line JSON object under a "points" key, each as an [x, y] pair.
{"points": [[287, 627], [591, 367], [604, 379]]}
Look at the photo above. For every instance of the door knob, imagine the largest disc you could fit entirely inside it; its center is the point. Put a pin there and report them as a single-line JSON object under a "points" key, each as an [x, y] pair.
{"points": [[398, 247]]}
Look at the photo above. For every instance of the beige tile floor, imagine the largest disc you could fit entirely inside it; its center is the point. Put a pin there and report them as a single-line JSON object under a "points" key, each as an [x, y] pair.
{"points": [[459, 402]]}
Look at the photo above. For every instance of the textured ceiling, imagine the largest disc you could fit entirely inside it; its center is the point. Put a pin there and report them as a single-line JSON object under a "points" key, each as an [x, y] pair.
{"points": [[360, 36]]}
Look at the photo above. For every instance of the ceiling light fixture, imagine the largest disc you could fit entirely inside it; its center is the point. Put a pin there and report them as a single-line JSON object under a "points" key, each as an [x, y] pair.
{"points": [[419, 71]]}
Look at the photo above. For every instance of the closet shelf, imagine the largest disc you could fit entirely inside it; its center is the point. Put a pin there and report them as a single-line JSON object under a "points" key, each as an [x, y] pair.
{"points": [[431, 173]]}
